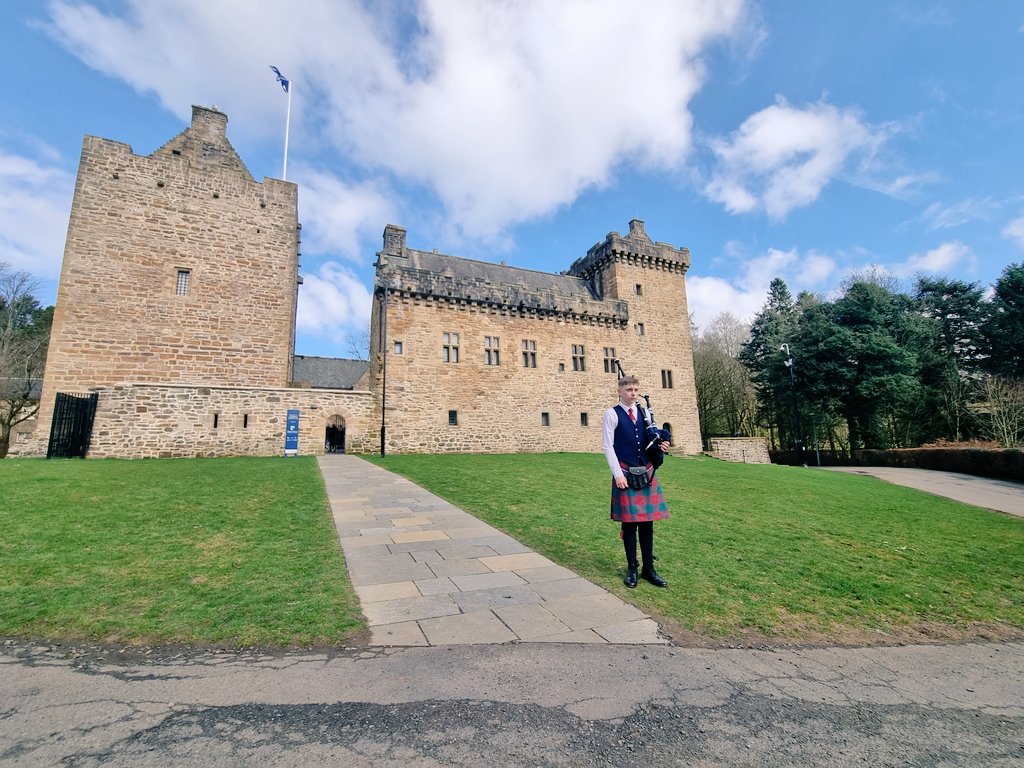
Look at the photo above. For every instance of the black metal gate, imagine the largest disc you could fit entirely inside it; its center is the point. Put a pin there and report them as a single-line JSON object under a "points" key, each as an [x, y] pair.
{"points": [[72, 425]]}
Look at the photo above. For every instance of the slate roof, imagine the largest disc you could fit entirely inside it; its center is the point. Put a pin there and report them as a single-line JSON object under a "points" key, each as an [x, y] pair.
{"points": [[452, 277], [328, 372]]}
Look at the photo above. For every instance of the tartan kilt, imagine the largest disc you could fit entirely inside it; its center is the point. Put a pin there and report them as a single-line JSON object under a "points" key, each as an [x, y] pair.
{"points": [[639, 505]]}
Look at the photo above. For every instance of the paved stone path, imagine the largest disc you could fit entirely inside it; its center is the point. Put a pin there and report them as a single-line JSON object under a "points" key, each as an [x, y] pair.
{"points": [[428, 573]]}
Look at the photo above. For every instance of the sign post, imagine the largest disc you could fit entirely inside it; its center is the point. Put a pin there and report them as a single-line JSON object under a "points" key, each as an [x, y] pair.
{"points": [[291, 433]]}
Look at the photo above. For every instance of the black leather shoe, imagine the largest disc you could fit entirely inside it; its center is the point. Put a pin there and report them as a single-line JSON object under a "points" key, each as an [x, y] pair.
{"points": [[652, 576], [631, 575]]}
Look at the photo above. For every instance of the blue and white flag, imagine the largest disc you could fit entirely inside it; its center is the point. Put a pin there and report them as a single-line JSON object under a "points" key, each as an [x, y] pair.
{"points": [[284, 81]]}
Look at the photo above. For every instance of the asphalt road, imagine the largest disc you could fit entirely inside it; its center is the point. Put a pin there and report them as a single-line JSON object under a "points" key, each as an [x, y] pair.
{"points": [[516, 705], [998, 495]]}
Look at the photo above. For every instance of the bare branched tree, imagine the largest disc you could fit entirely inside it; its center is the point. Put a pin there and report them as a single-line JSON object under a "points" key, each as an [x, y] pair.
{"points": [[725, 395], [1003, 399], [24, 335], [359, 345]]}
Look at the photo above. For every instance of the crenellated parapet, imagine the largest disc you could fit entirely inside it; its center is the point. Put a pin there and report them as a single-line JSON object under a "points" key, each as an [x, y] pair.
{"points": [[635, 248]]}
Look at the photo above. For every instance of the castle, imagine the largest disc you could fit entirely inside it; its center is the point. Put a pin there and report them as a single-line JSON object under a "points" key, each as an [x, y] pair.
{"points": [[176, 307]]}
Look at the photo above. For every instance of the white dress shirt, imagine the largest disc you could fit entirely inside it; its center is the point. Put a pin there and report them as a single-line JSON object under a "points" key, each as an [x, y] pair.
{"points": [[608, 425]]}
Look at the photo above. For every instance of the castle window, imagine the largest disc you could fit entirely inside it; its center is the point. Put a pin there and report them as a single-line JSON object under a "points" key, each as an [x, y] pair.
{"points": [[398, 347], [216, 420], [579, 359], [584, 420], [450, 347], [609, 359], [666, 379], [639, 290], [184, 278], [245, 421], [545, 419], [453, 418], [561, 367], [529, 353], [639, 329], [492, 351]]}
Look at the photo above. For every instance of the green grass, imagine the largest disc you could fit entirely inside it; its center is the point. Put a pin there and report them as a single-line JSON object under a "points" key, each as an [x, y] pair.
{"points": [[242, 552], [768, 550], [237, 552]]}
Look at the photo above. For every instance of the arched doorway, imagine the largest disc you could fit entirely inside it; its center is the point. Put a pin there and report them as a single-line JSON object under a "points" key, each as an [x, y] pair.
{"points": [[334, 435]]}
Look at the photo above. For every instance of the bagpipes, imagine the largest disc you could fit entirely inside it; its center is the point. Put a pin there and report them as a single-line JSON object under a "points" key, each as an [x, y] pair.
{"points": [[651, 432]]}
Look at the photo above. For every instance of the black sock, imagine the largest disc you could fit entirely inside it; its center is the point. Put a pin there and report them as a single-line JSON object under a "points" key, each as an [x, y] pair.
{"points": [[646, 534], [629, 541]]}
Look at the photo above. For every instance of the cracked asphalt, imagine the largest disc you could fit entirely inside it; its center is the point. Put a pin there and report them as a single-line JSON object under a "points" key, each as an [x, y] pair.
{"points": [[515, 705]]}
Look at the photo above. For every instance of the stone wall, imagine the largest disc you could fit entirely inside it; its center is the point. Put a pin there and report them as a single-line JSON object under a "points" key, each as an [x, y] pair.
{"points": [[158, 421], [136, 221], [746, 450]]}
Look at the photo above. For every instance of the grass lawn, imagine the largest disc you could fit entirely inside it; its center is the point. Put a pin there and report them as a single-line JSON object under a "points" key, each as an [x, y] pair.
{"points": [[236, 552], [768, 550]]}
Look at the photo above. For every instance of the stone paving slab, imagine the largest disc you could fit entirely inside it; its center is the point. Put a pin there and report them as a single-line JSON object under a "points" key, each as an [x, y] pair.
{"points": [[428, 573]]}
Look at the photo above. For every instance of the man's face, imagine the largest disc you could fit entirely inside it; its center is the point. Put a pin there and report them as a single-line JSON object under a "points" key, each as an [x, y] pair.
{"points": [[628, 393]]}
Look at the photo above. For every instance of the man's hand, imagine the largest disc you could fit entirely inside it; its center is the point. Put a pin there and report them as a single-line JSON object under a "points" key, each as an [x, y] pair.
{"points": [[620, 482]]}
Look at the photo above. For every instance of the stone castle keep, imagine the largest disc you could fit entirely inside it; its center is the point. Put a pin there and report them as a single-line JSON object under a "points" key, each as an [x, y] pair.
{"points": [[177, 300]]}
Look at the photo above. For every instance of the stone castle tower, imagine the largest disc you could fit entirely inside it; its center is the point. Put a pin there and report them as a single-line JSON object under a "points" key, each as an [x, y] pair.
{"points": [[471, 356], [180, 270]]}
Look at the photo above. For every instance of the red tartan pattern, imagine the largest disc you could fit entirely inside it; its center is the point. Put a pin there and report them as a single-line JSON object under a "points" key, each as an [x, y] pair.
{"points": [[639, 505]]}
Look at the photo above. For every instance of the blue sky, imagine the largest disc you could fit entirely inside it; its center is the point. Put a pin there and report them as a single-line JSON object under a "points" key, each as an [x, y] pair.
{"points": [[808, 139]]}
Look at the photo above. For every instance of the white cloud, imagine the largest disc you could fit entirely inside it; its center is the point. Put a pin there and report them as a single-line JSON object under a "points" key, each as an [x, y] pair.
{"points": [[333, 303], [35, 202], [948, 257], [336, 216], [1015, 231], [782, 157], [507, 111], [938, 216], [745, 294]]}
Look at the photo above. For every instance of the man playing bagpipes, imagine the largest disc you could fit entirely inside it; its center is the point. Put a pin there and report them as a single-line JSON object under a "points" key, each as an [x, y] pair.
{"points": [[634, 448]]}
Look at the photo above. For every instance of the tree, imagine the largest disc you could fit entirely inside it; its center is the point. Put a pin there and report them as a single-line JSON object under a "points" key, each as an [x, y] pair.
{"points": [[24, 335], [1004, 403], [776, 324], [961, 312], [1003, 332], [725, 396]]}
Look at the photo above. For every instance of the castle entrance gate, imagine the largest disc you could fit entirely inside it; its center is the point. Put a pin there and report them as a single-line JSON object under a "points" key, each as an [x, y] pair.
{"points": [[334, 435], [71, 427]]}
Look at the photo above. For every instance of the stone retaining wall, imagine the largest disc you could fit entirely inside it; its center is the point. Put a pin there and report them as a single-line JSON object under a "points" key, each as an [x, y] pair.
{"points": [[746, 450]]}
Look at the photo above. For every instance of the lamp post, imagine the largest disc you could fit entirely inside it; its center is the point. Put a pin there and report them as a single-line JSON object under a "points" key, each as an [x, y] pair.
{"points": [[798, 442]]}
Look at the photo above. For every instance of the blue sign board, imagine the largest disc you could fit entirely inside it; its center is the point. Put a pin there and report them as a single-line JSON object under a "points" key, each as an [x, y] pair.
{"points": [[291, 433]]}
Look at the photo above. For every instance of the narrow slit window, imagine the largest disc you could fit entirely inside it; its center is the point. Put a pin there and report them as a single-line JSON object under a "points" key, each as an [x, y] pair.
{"points": [[639, 329], [398, 347], [639, 289], [453, 418], [245, 421], [666, 379], [184, 281], [545, 419], [584, 420], [216, 420]]}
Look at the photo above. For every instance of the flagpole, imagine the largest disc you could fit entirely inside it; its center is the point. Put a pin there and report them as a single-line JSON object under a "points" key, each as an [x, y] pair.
{"points": [[287, 125]]}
